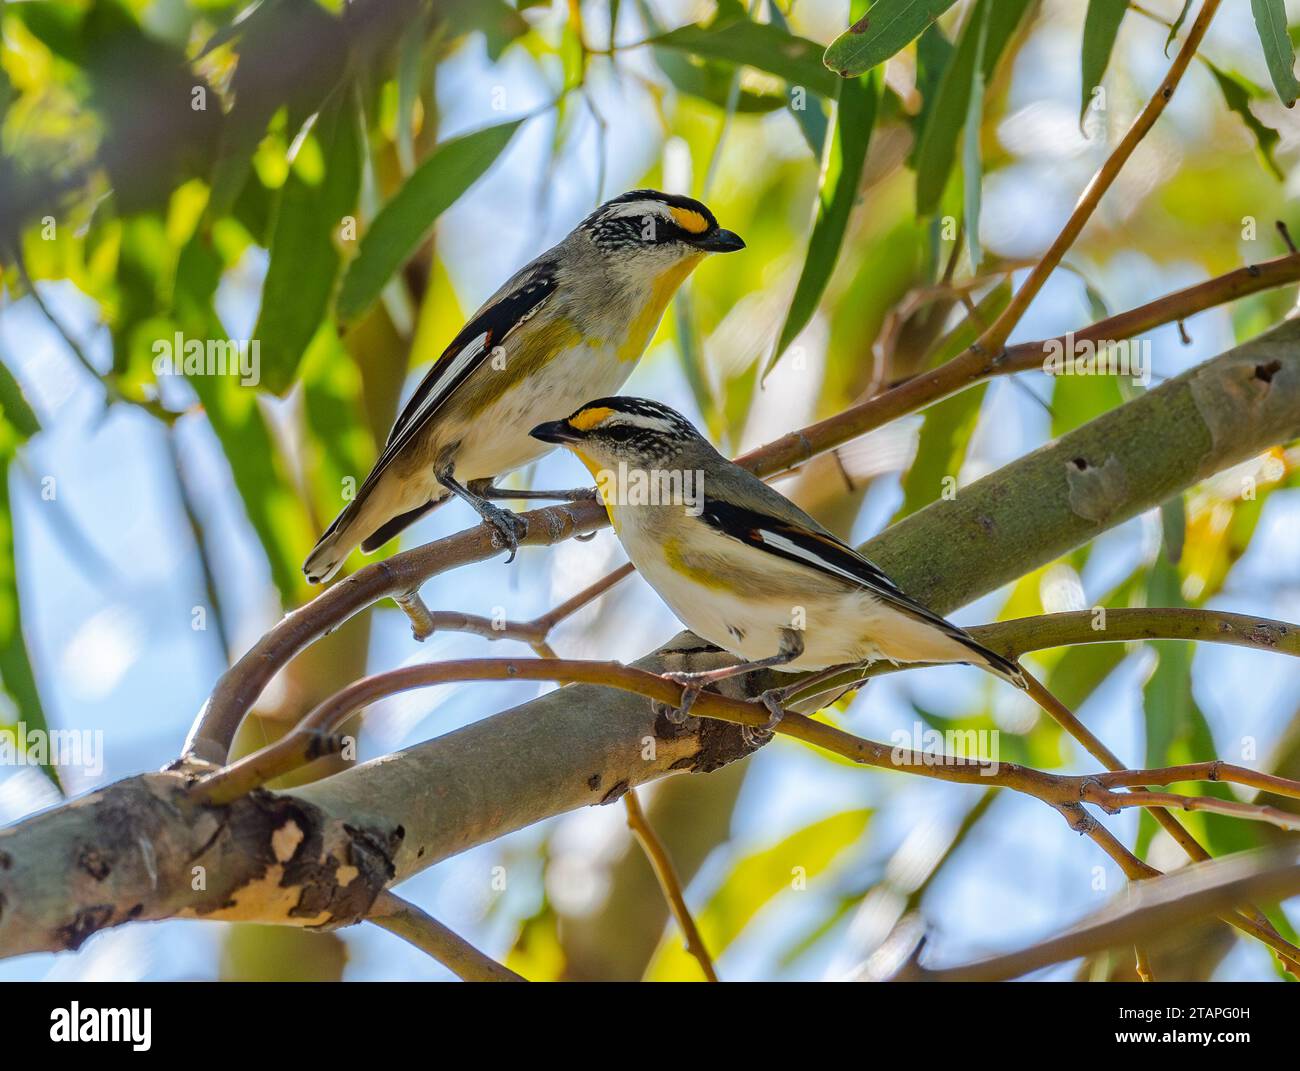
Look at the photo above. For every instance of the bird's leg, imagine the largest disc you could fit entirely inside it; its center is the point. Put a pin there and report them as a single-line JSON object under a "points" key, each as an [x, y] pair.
{"points": [[792, 646], [509, 526], [784, 693], [487, 490], [677, 714]]}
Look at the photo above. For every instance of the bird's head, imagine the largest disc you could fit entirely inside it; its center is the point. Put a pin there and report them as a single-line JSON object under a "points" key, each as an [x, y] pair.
{"points": [[634, 432], [646, 227]]}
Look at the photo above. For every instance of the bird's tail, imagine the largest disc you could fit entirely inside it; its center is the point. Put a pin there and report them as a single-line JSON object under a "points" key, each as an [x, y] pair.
{"points": [[357, 525], [995, 663], [333, 547]]}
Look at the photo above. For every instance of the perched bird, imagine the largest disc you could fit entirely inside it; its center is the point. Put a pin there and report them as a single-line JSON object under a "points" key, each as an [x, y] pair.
{"points": [[570, 325], [740, 564]]}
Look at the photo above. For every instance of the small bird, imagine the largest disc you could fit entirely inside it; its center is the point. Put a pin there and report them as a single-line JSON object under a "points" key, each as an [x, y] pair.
{"points": [[569, 325], [741, 565]]}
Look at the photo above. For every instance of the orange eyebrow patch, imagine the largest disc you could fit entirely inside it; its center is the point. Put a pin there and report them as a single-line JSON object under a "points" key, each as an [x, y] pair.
{"points": [[589, 418], [690, 220]]}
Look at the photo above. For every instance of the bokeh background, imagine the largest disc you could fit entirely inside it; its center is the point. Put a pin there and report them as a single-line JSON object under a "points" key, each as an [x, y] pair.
{"points": [[154, 525]]}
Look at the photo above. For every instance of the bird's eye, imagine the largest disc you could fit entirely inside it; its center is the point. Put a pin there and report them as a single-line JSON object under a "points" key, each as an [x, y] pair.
{"points": [[620, 433]]}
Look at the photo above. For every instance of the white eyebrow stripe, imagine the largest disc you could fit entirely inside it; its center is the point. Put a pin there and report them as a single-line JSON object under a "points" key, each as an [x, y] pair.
{"points": [[638, 208], [779, 542]]}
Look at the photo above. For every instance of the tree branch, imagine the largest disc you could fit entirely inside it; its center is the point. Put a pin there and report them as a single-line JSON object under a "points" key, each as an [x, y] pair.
{"points": [[429, 935], [669, 882], [587, 744], [1161, 904]]}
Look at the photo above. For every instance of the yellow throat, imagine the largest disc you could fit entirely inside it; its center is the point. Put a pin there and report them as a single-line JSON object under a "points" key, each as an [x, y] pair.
{"points": [[606, 486], [661, 292]]}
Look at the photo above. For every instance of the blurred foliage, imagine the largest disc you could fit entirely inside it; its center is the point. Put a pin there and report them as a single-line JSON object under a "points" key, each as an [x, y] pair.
{"points": [[156, 155]]}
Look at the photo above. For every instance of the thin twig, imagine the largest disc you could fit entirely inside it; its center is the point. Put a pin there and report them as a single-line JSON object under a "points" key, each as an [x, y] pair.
{"points": [[661, 863], [1190, 845], [426, 933], [1165, 903], [992, 340]]}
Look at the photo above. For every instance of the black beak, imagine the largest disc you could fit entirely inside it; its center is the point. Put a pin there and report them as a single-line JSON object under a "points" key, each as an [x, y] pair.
{"points": [[721, 241], [555, 431]]}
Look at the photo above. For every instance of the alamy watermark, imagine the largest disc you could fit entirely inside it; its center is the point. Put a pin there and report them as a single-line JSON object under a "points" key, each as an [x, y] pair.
{"points": [[178, 355], [80, 748], [653, 487], [951, 747], [1070, 356]]}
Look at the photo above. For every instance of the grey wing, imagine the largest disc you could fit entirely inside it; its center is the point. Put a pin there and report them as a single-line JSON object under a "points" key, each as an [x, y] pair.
{"points": [[516, 303]]}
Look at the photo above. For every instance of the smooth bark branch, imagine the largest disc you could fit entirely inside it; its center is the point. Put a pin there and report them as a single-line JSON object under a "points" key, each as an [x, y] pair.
{"points": [[382, 821]]}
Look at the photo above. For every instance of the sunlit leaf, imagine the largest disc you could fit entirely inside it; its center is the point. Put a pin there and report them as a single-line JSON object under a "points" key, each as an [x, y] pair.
{"points": [[1100, 28], [1270, 23], [938, 145], [14, 407], [1238, 92], [1177, 24], [304, 263], [404, 222], [888, 27], [761, 45], [855, 113], [753, 882], [16, 676], [972, 176], [274, 508]]}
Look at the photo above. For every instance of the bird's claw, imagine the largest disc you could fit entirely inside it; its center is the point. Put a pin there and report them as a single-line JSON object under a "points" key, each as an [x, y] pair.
{"points": [[756, 736], [690, 692], [509, 527]]}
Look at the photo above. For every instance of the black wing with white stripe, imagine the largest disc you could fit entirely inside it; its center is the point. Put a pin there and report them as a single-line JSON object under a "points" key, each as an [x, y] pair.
{"points": [[815, 549], [820, 550], [466, 352]]}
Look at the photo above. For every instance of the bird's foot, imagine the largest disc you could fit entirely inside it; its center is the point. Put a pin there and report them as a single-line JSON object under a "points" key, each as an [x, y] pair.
{"points": [[755, 736], [690, 692], [509, 527]]}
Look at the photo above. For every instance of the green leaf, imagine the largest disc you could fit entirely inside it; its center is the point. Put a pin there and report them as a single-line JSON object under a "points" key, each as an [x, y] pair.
{"points": [[937, 149], [14, 408], [1100, 28], [950, 423], [1177, 25], [855, 113], [933, 54], [972, 166], [1238, 92], [1173, 524], [756, 880], [761, 45], [887, 28], [711, 82], [304, 265], [16, 676], [1270, 22], [270, 499], [405, 221], [812, 121]]}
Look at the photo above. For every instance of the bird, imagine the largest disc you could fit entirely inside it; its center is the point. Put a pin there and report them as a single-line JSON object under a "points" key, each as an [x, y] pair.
{"points": [[741, 565], [569, 325]]}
